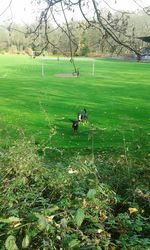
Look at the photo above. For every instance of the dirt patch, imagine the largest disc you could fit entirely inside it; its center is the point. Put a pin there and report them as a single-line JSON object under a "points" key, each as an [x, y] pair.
{"points": [[66, 75]]}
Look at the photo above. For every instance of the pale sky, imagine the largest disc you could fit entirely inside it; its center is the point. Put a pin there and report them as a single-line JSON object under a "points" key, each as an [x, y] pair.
{"points": [[22, 11], [129, 5]]}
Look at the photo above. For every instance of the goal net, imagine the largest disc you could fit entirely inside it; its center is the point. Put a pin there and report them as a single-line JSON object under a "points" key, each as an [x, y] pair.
{"points": [[63, 65]]}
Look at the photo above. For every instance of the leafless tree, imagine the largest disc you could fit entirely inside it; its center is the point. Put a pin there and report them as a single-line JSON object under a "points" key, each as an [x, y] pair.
{"points": [[110, 24]]}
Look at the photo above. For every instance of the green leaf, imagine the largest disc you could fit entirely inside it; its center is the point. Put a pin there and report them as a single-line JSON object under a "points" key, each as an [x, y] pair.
{"points": [[73, 243], [11, 219], [79, 217], [10, 243], [64, 222], [42, 221], [91, 194], [26, 241], [138, 228], [51, 210]]}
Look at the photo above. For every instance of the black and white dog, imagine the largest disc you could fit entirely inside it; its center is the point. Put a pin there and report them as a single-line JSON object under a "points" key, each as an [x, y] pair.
{"points": [[82, 116]]}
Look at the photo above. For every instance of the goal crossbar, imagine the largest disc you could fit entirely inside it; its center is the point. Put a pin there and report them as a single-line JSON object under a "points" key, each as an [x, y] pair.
{"points": [[44, 59]]}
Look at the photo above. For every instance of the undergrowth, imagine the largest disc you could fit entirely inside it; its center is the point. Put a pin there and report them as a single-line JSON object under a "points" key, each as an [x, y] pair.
{"points": [[84, 204]]}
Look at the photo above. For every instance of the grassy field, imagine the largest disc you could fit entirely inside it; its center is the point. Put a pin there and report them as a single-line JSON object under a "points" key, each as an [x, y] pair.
{"points": [[116, 98]]}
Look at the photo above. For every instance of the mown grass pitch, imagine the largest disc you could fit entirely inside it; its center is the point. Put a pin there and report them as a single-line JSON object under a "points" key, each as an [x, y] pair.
{"points": [[116, 98]]}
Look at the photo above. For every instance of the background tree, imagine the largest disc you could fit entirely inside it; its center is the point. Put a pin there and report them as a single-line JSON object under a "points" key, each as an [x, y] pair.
{"points": [[100, 31]]}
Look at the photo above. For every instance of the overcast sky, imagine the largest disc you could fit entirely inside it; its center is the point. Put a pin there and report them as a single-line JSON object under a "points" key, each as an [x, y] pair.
{"points": [[22, 11]]}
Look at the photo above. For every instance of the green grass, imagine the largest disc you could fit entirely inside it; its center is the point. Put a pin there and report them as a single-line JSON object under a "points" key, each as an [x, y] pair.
{"points": [[117, 100]]}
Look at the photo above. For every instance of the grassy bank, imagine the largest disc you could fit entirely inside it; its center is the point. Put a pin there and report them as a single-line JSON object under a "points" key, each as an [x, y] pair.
{"points": [[116, 99]]}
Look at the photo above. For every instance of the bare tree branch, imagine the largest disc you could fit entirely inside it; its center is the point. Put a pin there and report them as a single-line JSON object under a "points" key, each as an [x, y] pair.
{"points": [[9, 5], [110, 32], [111, 26], [118, 11], [142, 7]]}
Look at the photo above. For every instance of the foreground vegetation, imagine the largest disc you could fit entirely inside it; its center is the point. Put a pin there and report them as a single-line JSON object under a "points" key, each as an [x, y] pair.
{"points": [[80, 203]]}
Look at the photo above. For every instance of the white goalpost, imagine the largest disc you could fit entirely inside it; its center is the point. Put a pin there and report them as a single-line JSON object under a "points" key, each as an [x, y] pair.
{"points": [[44, 62], [93, 68]]}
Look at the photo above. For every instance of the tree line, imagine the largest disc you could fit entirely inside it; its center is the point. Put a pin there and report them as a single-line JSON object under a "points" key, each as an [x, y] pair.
{"points": [[86, 39]]}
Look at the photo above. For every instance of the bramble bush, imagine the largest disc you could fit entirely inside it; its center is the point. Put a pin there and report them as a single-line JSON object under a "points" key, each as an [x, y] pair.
{"points": [[63, 206]]}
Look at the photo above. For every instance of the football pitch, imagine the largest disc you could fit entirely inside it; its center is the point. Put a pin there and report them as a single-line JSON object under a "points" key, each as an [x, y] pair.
{"points": [[115, 93]]}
